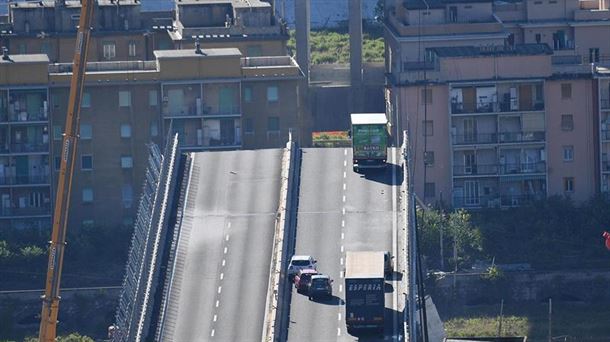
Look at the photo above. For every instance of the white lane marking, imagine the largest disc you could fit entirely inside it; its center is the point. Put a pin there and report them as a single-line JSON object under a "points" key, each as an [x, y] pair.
{"points": [[339, 316], [219, 289], [226, 249], [341, 274], [341, 249], [343, 223], [343, 198], [341, 261], [344, 186], [345, 152], [223, 262], [338, 331], [215, 318], [345, 163], [342, 236], [340, 287], [212, 334], [229, 224], [344, 174], [222, 275], [227, 237], [343, 210], [217, 303]]}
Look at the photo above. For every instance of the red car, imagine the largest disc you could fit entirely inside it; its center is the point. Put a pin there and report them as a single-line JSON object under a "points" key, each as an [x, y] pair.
{"points": [[303, 278]]}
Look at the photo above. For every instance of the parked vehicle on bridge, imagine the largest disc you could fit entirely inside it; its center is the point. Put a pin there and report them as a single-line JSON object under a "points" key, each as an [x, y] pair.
{"points": [[369, 133], [364, 290], [300, 262], [302, 279], [320, 286]]}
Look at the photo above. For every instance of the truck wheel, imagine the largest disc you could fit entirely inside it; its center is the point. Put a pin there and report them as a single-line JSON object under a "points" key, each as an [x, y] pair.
{"points": [[355, 169]]}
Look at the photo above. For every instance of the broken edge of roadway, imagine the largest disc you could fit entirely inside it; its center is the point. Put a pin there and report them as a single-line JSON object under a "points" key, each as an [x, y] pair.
{"points": [[276, 290]]}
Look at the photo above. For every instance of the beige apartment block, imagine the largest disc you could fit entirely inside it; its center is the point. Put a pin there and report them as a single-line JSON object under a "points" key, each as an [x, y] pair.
{"points": [[122, 31], [215, 99]]}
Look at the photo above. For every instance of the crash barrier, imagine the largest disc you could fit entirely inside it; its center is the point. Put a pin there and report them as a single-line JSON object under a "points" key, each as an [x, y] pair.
{"points": [[276, 292], [133, 315]]}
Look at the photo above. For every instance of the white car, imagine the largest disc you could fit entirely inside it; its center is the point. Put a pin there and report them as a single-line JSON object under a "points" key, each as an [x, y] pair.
{"points": [[300, 262]]}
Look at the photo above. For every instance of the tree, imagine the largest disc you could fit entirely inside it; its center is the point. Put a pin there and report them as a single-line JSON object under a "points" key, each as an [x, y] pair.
{"points": [[380, 10], [465, 236], [5, 253]]}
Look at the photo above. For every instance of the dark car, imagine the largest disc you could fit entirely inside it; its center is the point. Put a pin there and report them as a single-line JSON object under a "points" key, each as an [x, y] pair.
{"points": [[320, 286], [303, 278]]}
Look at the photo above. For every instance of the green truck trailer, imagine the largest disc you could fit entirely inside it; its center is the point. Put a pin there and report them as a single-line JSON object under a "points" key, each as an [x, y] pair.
{"points": [[369, 140]]}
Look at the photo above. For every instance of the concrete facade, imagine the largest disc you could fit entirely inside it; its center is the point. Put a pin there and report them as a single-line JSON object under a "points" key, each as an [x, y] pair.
{"points": [[215, 99]]}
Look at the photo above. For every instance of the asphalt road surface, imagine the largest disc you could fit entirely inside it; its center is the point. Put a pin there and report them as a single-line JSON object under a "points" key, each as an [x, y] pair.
{"points": [[340, 210], [222, 266]]}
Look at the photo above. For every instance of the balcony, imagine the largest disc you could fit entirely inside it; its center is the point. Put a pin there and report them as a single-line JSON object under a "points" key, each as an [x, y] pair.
{"points": [[604, 104], [520, 137], [29, 148], [475, 170], [24, 212], [494, 201], [494, 107], [605, 135], [473, 139], [605, 166], [25, 180], [521, 199], [522, 168]]}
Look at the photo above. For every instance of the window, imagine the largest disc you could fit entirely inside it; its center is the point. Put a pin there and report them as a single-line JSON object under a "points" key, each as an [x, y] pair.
{"points": [[153, 98], [86, 131], [428, 128], [568, 184], [132, 48], [453, 12], [426, 96], [85, 102], [429, 158], [87, 195], [566, 90], [429, 190], [127, 195], [154, 129], [248, 94], [538, 38], [57, 162], [124, 98], [86, 162], [126, 162], [125, 131], [593, 55], [273, 124], [567, 122], [249, 126], [272, 94], [568, 153], [109, 50], [57, 133]]}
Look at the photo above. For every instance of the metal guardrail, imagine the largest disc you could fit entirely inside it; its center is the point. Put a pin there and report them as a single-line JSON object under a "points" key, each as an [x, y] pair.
{"points": [[142, 271], [410, 333]]}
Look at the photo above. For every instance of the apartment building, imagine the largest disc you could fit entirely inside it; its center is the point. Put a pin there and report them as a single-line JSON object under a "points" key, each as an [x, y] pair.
{"points": [[25, 182], [214, 99], [502, 100], [122, 31]]}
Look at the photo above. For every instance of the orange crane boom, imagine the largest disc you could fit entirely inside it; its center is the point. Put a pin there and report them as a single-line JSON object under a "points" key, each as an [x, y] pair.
{"points": [[50, 299]]}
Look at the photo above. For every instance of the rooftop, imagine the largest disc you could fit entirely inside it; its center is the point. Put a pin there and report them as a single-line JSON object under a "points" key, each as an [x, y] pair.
{"points": [[217, 52], [475, 51], [424, 4], [33, 58], [234, 3], [71, 3]]}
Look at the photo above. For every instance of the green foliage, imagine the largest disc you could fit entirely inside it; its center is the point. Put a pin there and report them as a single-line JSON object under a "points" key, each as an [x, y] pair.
{"points": [[329, 46], [73, 337], [30, 252], [494, 273]]}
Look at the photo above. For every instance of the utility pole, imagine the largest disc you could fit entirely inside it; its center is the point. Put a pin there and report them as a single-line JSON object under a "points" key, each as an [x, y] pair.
{"points": [[501, 317], [550, 320], [441, 243]]}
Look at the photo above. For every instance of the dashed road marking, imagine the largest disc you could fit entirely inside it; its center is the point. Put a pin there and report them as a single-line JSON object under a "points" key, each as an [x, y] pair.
{"points": [[223, 262], [215, 318], [341, 261], [342, 236], [229, 225], [338, 331], [341, 274], [219, 289], [341, 249], [340, 287], [217, 303], [344, 174], [344, 186], [212, 334], [345, 152], [343, 223], [222, 275], [226, 249], [343, 198], [343, 210], [339, 316], [345, 163]]}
